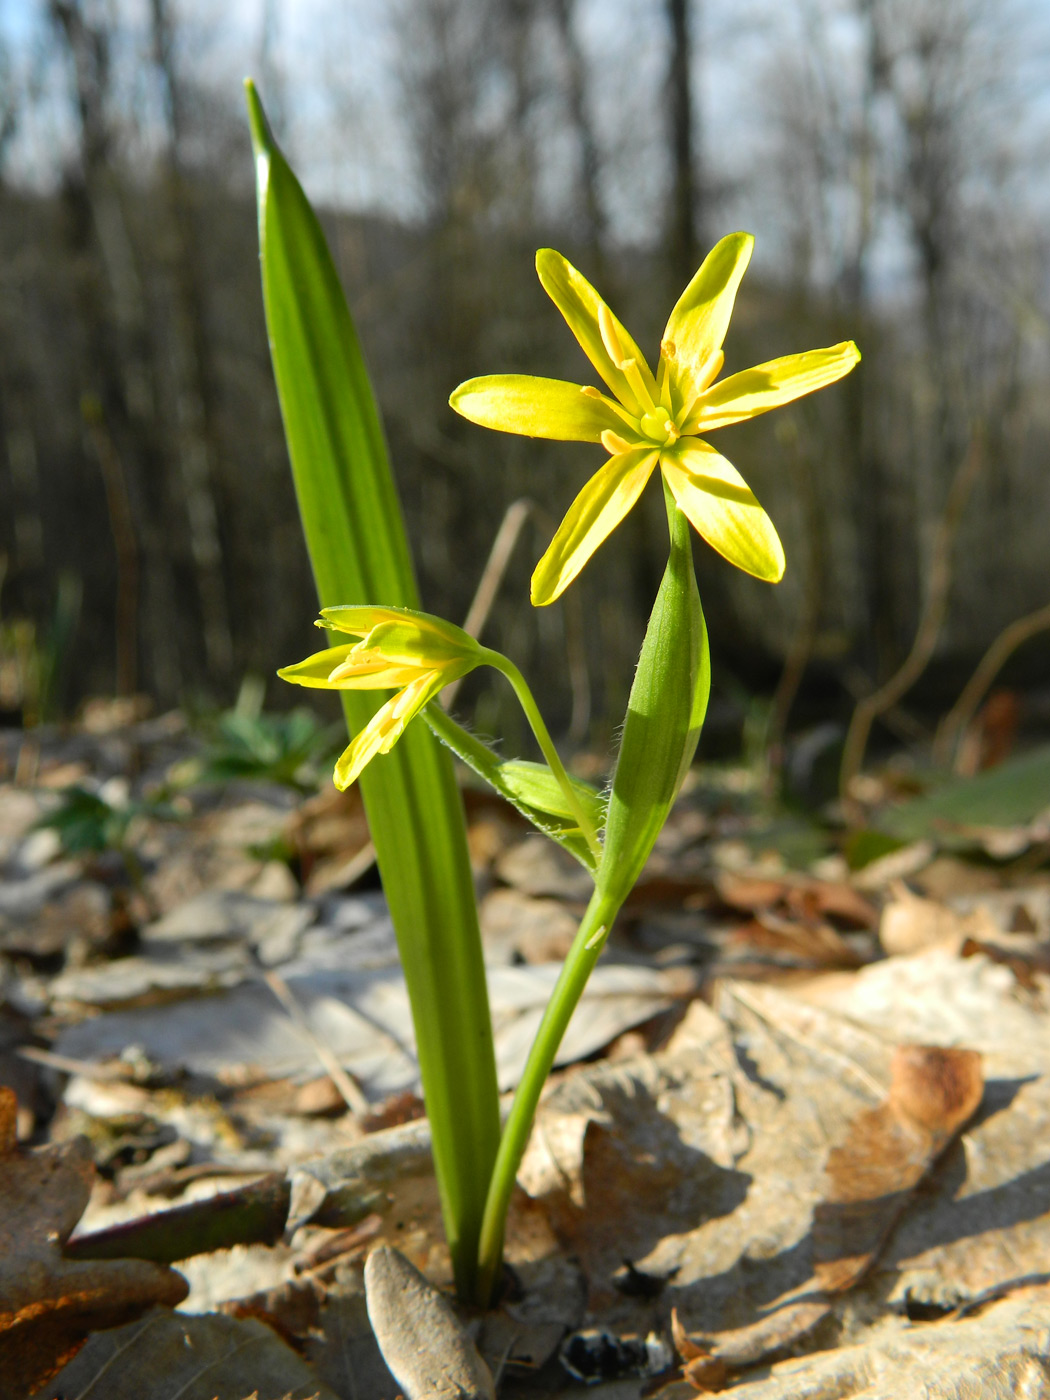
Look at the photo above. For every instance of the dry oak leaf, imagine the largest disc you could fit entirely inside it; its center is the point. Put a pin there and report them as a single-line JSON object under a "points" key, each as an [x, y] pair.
{"points": [[48, 1304], [871, 1176]]}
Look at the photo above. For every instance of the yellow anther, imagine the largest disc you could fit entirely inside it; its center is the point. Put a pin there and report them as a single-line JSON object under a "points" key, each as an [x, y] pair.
{"points": [[633, 375], [614, 443], [591, 392], [610, 338]]}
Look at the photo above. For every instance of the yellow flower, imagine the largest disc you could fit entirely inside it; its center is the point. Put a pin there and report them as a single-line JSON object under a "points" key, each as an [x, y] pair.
{"points": [[654, 419], [398, 649]]}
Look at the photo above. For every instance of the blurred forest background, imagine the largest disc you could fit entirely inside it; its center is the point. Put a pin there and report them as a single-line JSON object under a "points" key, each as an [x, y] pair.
{"points": [[890, 156]]}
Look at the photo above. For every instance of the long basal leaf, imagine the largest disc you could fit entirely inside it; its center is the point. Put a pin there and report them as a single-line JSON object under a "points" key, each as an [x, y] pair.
{"points": [[356, 540]]}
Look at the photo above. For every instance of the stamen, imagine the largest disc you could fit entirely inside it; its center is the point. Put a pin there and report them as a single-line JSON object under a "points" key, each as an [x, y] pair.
{"points": [[701, 381], [613, 443], [633, 375], [663, 385], [710, 369], [591, 392], [610, 339]]}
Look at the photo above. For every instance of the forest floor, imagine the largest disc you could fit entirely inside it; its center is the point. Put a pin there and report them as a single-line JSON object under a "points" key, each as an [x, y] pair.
{"points": [[798, 1142]]}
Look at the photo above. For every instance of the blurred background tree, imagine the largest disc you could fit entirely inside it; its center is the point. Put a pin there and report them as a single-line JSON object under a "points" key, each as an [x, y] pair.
{"points": [[890, 156]]}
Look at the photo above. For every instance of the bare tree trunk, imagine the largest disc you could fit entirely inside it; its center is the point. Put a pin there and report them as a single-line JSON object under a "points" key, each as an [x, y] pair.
{"points": [[190, 354], [683, 232], [122, 365], [594, 221]]}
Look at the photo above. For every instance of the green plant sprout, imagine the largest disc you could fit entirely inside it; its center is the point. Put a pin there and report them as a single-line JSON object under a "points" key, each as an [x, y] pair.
{"points": [[246, 744], [399, 660]]}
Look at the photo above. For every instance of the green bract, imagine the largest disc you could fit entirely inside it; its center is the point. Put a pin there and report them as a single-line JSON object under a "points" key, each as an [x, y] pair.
{"points": [[653, 420], [664, 713]]}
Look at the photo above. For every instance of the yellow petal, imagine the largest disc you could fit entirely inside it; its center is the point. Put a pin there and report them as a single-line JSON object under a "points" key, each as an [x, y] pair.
{"points": [[722, 508], [315, 670], [544, 408], [535, 408], [578, 302], [697, 326], [359, 618], [387, 725], [767, 386], [419, 641], [593, 515], [363, 748], [369, 670]]}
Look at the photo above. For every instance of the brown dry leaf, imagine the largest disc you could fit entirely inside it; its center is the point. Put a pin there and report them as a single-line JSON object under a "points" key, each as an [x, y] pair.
{"points": [[48, 1304], [178, 1356], [870, 1177], [700, 1367], [999, 1355], [911, 923], [796, 896]]}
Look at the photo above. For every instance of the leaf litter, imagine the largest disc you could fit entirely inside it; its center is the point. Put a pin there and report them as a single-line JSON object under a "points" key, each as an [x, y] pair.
{"points": [[817, 1127]]}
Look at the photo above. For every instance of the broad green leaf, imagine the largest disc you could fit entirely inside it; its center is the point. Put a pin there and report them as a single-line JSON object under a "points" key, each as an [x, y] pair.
{"points": [[1013, 794], [359, 554]]}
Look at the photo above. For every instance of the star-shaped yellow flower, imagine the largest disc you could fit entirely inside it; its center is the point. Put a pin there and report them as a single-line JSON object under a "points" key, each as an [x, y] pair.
{"points": [[651, 419], [397, 649]]}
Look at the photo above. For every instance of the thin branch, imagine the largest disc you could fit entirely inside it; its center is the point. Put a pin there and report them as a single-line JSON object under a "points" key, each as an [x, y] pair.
{"points": [[347, 1086], [491, 577], [930, 623], [960, 716]]}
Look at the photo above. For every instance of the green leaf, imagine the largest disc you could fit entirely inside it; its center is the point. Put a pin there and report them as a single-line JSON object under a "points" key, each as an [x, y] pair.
{"points": [[1012, 794], [536, 786], [356, 540], [534, 792]]}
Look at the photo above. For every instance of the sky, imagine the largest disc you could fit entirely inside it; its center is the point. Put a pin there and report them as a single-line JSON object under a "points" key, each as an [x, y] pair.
{"points": [[329, 70]]}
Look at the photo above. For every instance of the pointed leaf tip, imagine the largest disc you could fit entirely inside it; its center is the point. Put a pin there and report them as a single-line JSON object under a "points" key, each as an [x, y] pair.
{"points": [[262, 136]]}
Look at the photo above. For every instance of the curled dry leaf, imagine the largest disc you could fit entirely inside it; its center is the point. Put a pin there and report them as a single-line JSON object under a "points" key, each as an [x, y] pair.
{"points": [[871, 1176], [700, 1367], [49, 1304], [420, 1337]]}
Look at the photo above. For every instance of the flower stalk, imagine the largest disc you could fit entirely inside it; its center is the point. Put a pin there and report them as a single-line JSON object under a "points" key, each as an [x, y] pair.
{"points": [[389, 661]]}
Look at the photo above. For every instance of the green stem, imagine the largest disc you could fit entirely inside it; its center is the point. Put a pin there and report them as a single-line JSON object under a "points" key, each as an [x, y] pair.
{"points": [[584, 953], [543, 738]]}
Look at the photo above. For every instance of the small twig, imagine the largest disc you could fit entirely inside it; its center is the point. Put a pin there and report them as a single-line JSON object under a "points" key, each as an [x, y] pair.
{"points": [[800, 649], [503, 546], [88, 1069], [491, 577], [347, 1086], [252, 1214], [355, 867], [930, 623], [959, 717]]}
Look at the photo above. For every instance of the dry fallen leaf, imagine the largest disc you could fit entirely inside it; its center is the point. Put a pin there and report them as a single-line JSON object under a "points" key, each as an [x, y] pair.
{"points": [[419, 1335], [700, 1367], [49, 1304], [871, 1176], [179, 1356]]}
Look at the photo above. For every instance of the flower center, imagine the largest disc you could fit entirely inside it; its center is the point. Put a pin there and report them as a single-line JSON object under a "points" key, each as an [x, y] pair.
{"points": [[659, 427]]}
